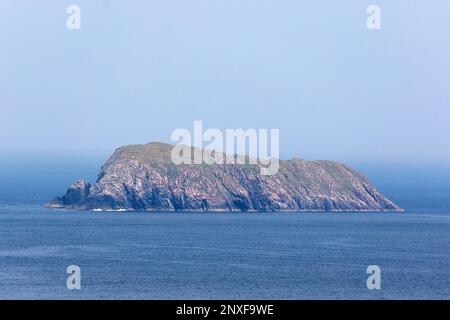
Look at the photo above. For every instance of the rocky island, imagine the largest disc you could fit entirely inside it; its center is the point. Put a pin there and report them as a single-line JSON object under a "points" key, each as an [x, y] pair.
{"points": [[143, 177]]}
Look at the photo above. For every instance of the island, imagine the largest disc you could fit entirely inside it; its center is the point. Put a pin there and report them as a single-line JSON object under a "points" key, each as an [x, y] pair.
{"points": [[143, 178]]}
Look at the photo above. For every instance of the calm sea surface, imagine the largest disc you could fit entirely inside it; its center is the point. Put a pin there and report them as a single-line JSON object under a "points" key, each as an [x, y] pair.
{"points": [[222, 255]]}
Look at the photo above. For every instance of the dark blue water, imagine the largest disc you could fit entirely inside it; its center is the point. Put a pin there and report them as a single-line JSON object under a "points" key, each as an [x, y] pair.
{"points": [[226, 255]]}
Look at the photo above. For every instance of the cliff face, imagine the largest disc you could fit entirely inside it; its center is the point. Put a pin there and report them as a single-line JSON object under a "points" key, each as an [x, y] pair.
{"points": [[142, 177]]}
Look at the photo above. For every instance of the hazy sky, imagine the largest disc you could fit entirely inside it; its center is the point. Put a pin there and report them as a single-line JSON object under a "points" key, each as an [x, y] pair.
{"points": [[139, 69]]}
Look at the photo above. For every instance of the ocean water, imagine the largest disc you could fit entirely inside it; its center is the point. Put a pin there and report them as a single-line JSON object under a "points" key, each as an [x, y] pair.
{"points": [[136, 255]]}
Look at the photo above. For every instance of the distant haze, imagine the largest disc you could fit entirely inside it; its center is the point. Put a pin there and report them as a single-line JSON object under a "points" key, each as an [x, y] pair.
{"points": [[137, 70]]}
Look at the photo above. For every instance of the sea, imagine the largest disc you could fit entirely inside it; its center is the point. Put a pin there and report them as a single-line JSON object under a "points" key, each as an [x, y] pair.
{"points": [[139, 255]]}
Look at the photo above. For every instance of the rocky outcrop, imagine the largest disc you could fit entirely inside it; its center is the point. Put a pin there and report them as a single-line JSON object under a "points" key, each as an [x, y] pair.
{"points": [[143, 177], [77, 193]]}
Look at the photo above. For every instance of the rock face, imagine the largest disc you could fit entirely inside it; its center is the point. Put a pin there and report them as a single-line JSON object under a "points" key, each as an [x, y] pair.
{"points": [[143, 177]]}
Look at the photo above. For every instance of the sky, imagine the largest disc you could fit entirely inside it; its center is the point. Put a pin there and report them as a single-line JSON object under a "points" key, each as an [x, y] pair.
{"points": [[137, 70]]}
